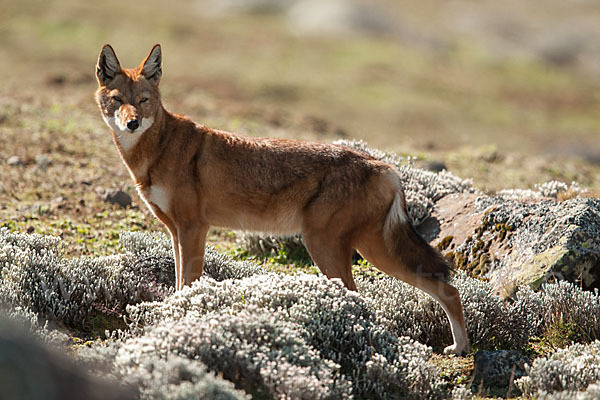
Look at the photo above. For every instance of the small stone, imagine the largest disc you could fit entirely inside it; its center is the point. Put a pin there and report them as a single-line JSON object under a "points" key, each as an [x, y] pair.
{"points": [[114, 196], [42, 161], [58, 202], [495, 368], [435, 166], [15, 161]]}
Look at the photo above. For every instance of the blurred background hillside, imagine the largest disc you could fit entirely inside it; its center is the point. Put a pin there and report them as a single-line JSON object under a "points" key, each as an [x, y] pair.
{"points": [[401, 75], [506, 93]]}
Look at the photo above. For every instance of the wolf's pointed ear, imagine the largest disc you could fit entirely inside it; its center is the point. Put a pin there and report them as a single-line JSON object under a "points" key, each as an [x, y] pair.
{"points": [[152, 65], [108, 65]]}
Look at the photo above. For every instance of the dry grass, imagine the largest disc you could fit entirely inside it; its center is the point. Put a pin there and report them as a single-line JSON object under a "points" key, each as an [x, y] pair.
{"points": [[572, 193]]}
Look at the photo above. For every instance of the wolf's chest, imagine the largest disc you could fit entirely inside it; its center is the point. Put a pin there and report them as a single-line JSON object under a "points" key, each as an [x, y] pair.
{"points": [[156, 196]]}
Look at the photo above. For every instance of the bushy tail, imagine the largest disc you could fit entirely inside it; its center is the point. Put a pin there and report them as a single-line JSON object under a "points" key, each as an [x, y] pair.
{"points": [[403, 240]]}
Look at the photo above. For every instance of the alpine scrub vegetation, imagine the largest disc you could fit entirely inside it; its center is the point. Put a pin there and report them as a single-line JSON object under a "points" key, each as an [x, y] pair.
{"points": [[241, 330], [568, 370], [321, 340]]}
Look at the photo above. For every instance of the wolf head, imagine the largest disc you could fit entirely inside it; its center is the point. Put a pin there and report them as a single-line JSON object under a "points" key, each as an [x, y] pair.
{"points": [[129, 99]]}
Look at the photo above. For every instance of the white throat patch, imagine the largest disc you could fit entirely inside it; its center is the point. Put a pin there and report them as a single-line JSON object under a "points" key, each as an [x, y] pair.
{"points": [[160, 197], [125, 137]]}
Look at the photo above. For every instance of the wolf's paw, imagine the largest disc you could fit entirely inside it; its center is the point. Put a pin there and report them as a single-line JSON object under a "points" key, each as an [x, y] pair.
{"points": [[458, 350]]}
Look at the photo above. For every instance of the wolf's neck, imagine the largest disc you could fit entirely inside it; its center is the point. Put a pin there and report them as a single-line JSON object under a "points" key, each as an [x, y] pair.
{"points": [[138, 150]]}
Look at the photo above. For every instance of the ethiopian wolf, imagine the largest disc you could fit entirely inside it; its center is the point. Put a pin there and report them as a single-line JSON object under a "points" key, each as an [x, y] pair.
{"points": [[193, 177]]}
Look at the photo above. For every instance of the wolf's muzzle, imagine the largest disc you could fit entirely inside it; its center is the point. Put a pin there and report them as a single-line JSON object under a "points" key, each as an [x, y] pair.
{"points": [[133, 124]]}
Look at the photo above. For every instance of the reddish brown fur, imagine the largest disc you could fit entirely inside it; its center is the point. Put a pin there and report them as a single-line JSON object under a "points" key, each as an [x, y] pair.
{"points": [[338, 198]]}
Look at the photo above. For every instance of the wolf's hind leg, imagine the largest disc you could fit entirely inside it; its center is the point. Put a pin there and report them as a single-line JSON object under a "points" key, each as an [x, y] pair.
{"points": [[373, 248]]}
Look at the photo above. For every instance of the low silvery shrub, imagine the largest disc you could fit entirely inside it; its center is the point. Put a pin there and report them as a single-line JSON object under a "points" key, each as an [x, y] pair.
{"points": [[573, 368], [261, 244], [261, 352], [567, 303], [35, 276], [591, 393], [408, 311], [156, 249], [72, 291], [294, 336], [560, 304], [335, 326], [176, 378]]}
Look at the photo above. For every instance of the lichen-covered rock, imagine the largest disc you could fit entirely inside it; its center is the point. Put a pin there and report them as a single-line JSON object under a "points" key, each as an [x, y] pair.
{"points": [[520, 241]]}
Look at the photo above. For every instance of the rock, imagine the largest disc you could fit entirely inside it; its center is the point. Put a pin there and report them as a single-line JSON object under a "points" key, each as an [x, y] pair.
{"points": [[229, 7], [495, 369], [15, 161], [519, 241], [114, 196], [42, 161], [435, 166], [58, 202]]}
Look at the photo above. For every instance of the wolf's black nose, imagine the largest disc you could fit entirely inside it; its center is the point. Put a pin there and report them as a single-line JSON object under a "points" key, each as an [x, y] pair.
{"points": [[133, 124]]}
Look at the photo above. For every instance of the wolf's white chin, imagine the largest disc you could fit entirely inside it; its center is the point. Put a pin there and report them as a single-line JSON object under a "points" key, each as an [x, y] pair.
{"points": [[126, 138]]}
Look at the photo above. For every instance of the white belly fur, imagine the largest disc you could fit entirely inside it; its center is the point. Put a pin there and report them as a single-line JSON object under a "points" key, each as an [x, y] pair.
{"points": [[279, 221]]}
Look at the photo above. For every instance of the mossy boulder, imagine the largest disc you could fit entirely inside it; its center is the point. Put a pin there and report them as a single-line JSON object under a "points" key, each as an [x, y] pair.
{"points": [[519, 241]]}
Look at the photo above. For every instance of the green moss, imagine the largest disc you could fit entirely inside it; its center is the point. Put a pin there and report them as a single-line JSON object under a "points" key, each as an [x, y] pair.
{"points": [[478, 245], [445, 242], [557, 336]]}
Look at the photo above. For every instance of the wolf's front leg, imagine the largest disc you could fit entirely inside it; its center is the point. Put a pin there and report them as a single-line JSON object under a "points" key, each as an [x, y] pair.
{"points": [[191, 253], [175, 243]]}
